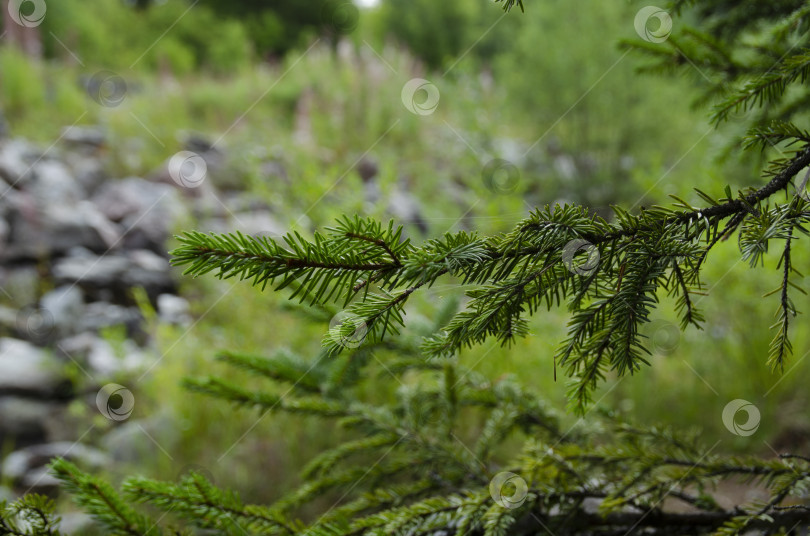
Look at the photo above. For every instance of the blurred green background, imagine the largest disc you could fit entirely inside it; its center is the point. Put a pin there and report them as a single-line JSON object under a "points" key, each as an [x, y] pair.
{"points": [[314, 88]]}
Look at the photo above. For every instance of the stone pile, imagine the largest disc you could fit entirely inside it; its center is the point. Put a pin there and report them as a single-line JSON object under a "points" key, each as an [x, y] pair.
{"points": [[80, 253]]}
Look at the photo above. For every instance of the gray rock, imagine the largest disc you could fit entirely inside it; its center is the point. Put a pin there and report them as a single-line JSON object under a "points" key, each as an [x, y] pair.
{"points": [[28, 467], [372, 194], [148, 260], [149, 271], [28, 370], [105, 362], [404, 207], [106, 271], [98, 315], [79, 251], [173, 309], [88, 171], [77, 347], [9, 199], [146, 210], [16, 160], [100, 359], [591, 505], [138, 268], [47, 229], [77, 523], [53, 184], [22, 420], [5, 192], [127, 197], [199, 143], [4, 231], [66, 306], [37, 479], [88, 136]]}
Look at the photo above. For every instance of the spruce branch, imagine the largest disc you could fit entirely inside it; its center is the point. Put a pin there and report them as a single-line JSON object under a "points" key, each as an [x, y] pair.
{"points": [[218, 388], [512, 275], [781, 346], [769, 87], [101, 501], [422, 460], [30, 515], [196, 499]]}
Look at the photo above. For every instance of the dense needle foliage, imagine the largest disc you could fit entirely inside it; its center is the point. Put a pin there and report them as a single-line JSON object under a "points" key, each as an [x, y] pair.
{"points": [[435, 457]]}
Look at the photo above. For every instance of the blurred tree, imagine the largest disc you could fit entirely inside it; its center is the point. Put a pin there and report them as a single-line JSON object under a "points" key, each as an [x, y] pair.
{"points": [[432, 31], [279, 25], [21, 26], [275, 27], [439, 33], [199, 38]]}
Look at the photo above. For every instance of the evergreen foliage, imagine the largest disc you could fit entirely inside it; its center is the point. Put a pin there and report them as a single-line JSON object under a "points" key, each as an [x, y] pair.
{"points": [[436, 457]]}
